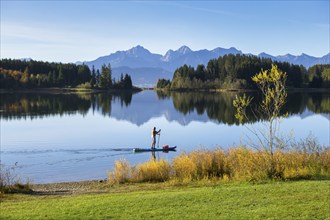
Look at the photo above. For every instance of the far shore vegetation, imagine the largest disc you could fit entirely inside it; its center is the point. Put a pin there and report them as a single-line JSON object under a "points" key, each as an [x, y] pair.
{"points": [[20, 74], [234, 72]]}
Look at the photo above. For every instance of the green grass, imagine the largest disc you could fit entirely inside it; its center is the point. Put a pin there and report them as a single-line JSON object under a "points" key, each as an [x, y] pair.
{"points": [[272, 200]]}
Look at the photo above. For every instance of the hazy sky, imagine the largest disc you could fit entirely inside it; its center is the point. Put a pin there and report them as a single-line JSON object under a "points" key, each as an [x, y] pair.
{"points": [[70, 31]]}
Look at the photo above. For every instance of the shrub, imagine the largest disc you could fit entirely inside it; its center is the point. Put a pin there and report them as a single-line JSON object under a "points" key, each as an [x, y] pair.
{"points": [[85, 85]]}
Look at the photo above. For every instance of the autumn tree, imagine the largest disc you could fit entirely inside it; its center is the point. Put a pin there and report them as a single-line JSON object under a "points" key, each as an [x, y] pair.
{"points": [[272, 86], [105, 78]]}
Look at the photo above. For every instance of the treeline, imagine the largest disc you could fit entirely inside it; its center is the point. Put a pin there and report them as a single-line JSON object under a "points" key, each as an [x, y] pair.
{"points": [[235, 72], [37, 74]]}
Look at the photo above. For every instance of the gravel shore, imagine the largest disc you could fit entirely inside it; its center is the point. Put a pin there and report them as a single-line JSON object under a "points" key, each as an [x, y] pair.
{"points": [[67, 188]]}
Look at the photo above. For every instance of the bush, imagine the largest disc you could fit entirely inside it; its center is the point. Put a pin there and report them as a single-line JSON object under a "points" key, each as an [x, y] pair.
{"points": [[85, 85]]}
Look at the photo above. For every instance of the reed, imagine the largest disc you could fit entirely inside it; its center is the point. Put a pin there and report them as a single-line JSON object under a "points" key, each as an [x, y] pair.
{"points": [[151, 171], [234, 164], [121, 173], [184, 167], [246, 164]]}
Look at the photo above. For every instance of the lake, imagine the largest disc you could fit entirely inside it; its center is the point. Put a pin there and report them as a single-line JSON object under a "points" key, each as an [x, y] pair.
{"points": [[72, 137]]}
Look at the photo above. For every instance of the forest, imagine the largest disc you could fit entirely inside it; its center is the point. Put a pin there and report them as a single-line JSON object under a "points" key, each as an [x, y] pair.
{"points": [[235, 72], [15, 74]]}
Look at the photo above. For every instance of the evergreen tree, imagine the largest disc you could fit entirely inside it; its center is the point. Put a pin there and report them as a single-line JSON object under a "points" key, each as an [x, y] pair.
{"points": [[60, 77], [50, 78], [127, 82], [54, 77], [105, 78], [93, 78], [110, 76], [84, 74], [98, 78]]}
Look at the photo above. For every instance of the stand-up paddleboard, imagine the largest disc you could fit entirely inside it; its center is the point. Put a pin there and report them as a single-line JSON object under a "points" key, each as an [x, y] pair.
{"points": [[166, 148]]}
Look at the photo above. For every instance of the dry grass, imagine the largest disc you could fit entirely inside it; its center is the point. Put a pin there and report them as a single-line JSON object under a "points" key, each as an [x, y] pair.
{"points": [[238, 164], [152, 171], [11, 183], [299, 165], [121, 174]]}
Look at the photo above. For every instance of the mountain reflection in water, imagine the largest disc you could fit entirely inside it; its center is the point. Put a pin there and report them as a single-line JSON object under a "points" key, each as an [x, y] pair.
{"points": [[182, 107]]}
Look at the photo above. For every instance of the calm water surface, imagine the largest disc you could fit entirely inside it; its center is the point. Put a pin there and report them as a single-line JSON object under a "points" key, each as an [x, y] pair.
{"points": [[69, 137]]}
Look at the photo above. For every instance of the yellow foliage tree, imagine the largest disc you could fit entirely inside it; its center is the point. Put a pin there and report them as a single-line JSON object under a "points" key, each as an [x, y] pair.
{"points": [[272, 85]]}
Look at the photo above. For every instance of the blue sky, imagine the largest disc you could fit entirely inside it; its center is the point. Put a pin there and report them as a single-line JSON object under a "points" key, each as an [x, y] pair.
{"points": [[70, 31]]}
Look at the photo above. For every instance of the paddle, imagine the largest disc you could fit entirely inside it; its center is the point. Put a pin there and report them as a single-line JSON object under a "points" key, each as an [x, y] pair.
{"points": [[158, 140]]}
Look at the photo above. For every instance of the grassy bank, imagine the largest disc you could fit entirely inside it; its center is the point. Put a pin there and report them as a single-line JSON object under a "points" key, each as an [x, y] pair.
{"points": [[271, 200]]}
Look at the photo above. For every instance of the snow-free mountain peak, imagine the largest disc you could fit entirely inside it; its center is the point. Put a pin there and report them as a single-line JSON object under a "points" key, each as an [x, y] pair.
{"points": [[219, 51], [168, 56], [172, 55], [138, 51], [184, 50], [286, 56], [265, 55]]}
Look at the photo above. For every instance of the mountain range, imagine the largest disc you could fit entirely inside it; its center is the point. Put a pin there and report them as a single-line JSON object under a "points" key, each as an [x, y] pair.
{"points": [[146, 68]]}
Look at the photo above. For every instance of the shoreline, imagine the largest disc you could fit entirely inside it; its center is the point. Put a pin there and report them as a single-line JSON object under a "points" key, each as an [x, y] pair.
{"points": [[68, 188], [58, 90], [101, 187], [237, 90]]}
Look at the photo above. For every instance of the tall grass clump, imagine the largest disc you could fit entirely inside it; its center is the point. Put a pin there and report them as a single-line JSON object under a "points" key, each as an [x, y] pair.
{"points": [[246, 164], [200, 164], [121, 173], [307, 159], [219, 164], [151, 171], [11, 183], [204, 163], [184, 167]]}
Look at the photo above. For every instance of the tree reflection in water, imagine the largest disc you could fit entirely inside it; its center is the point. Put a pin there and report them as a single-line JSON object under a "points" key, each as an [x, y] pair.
{"points": [[217, 106]]}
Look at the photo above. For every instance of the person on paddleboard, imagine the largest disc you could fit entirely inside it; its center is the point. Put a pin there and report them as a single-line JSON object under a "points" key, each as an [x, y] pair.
{"points": [[153, 136]]}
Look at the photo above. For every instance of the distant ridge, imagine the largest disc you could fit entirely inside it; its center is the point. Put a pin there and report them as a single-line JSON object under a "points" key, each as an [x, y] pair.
{"points": [[146, 67]]}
